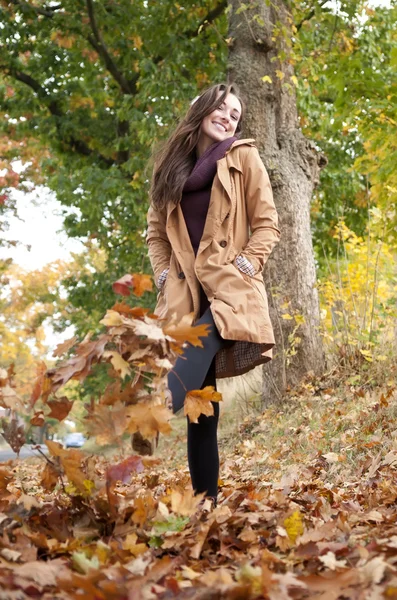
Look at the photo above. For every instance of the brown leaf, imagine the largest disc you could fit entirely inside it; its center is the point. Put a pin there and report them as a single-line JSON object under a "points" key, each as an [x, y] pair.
{"points": [[122, 472], [198, 402], [14, 434], [65, 346], [149, 419], [137, 282], [60, 408], [42, 385], [5, 478], [49, 477], [107, 423], [38, 419]]}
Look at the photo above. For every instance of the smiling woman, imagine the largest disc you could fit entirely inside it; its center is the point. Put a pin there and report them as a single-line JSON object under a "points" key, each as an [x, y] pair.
{"points": [[212, 225]]}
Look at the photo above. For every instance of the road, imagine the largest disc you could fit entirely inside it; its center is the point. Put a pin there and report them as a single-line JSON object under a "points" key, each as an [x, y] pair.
{"points": [[6, 453]]}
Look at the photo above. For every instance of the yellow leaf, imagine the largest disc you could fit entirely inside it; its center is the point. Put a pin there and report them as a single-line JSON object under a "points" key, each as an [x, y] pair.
{"points": [[198, 402], [294, 525], [267, 78], [286, 317], [118, 362], [280, 74], [112, 319], [294, 80]]}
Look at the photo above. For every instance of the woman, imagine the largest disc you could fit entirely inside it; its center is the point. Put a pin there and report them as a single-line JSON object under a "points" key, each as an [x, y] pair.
{"points": [[212, 224]]}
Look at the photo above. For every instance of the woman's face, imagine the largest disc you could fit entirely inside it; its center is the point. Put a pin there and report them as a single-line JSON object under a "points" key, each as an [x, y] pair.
{"points": [[222, 122]]}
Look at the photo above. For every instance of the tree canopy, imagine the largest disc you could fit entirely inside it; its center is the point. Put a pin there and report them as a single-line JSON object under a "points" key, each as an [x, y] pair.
{"points": [[88, 89]]}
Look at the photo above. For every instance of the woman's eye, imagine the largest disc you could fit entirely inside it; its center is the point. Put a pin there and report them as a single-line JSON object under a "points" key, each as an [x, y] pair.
{"points": [[234, 117]]}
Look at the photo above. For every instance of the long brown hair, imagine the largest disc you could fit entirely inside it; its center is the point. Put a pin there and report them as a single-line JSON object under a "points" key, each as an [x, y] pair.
{"points": [[174, 161]]}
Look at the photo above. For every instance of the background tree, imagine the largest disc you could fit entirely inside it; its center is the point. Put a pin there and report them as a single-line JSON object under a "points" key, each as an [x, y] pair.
{"points": [[87, 89]]}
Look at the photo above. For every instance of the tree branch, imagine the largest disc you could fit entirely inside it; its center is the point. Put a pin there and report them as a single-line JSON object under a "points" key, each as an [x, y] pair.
{"points": [[211, 16], [99, 45], [54, 108], [46, 11], [310, 14]]}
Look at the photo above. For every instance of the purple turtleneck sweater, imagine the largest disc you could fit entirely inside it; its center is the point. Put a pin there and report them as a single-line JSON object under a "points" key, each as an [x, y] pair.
{"points": [[197, 190]]}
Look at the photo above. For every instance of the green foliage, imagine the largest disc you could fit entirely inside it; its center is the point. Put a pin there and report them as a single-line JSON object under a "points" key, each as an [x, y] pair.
{"points": [[97, 85], [347, 95]]}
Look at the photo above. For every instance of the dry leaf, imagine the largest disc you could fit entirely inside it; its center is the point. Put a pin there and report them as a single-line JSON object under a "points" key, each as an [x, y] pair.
{"points": [[198, 402]]}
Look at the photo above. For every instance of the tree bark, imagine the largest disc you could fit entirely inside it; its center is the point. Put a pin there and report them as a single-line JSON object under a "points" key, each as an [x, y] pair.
{"points": [[293, 164]]}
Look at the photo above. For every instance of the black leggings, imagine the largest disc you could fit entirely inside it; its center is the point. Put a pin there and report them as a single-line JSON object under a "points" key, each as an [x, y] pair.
{"points": [[194, 370]]}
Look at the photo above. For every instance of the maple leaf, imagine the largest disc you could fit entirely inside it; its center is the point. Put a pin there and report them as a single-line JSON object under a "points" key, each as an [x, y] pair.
{"points": [[183, 331], [13, 433], [148, 419], [60, 408], [138, 282], [198, 402]]}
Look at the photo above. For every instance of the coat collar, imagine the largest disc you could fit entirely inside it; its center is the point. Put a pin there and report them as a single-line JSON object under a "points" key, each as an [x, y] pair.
{"points": [[233, 158]]}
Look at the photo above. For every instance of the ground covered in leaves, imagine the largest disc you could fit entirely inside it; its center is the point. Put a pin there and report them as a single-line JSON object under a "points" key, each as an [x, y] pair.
{"points": [[307, 509]]}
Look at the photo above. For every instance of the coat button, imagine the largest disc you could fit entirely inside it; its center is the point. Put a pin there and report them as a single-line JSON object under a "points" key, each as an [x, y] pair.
{"points": [[223, 243], [181, 275]]}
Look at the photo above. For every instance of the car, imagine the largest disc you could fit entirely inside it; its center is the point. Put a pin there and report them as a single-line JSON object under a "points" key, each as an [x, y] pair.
{"points": [[74, 440]]}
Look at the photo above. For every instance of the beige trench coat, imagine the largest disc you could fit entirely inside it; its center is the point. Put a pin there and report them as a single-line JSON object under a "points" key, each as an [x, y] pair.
{"points": [[241, 219]]}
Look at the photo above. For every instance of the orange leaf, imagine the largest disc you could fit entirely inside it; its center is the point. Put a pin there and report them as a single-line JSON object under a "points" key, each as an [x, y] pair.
{"points": [[198, 402], [142, 284], [183, 331]]}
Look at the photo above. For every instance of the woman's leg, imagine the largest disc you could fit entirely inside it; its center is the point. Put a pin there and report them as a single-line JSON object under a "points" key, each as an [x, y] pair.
{"points": [[192, 367], [202, 447]]}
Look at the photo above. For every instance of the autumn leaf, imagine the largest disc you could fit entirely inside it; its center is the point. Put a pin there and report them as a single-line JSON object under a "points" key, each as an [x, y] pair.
{"points": [[148, 419], [119, 364], [64, 346], [60, 408], [107, 423], [14, 433], [122, 472], [137, 282], [49, 477], [183, 331], [198, 402], [294, 525], [123, 285], [71, 462]]}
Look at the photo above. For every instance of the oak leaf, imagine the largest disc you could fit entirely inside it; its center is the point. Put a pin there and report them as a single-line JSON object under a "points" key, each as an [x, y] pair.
{"points": [[60, 408], [64, 346], [198, 402]]}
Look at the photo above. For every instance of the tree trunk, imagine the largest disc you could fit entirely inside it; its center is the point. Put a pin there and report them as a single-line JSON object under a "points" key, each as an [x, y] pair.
{"points": [[293, 165]]}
